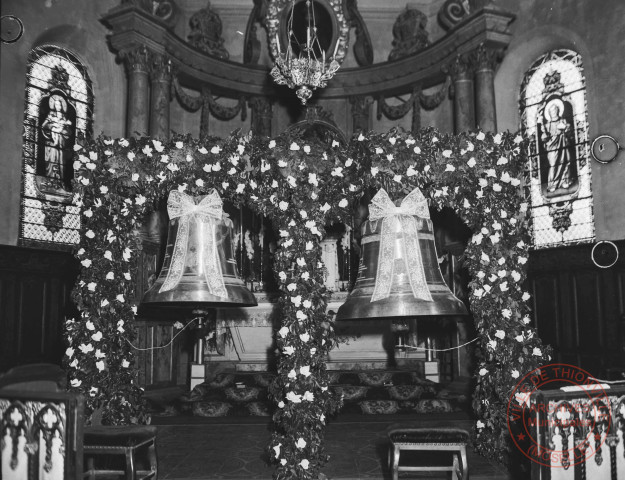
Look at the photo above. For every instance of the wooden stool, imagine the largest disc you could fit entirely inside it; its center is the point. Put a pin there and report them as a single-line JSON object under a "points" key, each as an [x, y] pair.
{"points": [[127, 441], [404, 438]]}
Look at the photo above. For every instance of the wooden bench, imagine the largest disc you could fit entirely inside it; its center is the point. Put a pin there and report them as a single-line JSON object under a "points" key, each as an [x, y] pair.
{"points": [[403, 438], [129, 441]]}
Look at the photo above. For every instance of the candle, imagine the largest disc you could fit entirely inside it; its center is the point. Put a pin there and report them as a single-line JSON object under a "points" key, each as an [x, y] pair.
{"points": [[278, 44], [308, 37], [336, 49]]}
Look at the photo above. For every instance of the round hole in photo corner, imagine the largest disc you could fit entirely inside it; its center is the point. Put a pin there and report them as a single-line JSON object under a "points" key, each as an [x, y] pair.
{"points": [[604, 254], [604, 149], [11, 28]]}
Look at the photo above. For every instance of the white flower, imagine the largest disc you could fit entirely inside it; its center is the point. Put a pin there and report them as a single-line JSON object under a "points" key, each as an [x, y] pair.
{"points": [[69, 352], [110, 276], [506, 313], [91, 286], [515, 374], [503, 286], [397, 178], [272, 144], [537, 352], [277, 450], [294, 146], [301, 443], [374, 171], [411, 171], [308, 396], [293, 397], [307, 303], [304, 337], [283, 332], [300, 315], [343, 203], [516, 276], [478, 292], [502, 273], [291, 287], [86, 263], [325, 207], [521, 260], [496, 187], [98, 352], [292, 374], [471, 163], [296, 300], [283, 205], [301, 261], [389, 157], [466, 204], [305, 370], [288, 350], [480, 136], [337, 172], [526, 320], [525, 297], [480, 424], [505, 177], [282, 276], [492, 344], [305, 276], [100, 365], [282, 460], [483, 372], [120, 298], [140, 199], [312, 179], [240, 188], [280, 404], [349, 162], [500, 334], [309, 246], [75, 382], [519, 338]]}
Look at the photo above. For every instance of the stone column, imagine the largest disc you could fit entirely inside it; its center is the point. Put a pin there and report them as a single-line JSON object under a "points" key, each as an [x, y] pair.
{"points": [[484, 61], [160, 98], [137, 63], [360, 113], [262, 116], [464, 106]]}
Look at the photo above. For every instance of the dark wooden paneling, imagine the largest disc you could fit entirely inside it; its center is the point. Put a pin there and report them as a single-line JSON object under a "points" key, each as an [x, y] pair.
{"points": [[579, 308], [35, 288]]}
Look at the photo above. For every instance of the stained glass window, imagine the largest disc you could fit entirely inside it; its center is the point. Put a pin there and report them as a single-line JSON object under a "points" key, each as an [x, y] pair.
{"points": [[558, 180], [58, 108]]}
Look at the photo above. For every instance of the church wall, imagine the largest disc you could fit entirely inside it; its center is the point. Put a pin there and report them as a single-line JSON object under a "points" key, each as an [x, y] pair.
{"points": [[539, 26], [589, 29], [71, 24]]}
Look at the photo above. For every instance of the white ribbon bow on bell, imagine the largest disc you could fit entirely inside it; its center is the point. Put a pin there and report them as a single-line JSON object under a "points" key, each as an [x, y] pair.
{"points": [[209, 210], [382, 207]]}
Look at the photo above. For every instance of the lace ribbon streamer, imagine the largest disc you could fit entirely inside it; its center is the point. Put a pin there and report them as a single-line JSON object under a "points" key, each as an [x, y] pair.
{"points": [[382, 207], [210, 211]]}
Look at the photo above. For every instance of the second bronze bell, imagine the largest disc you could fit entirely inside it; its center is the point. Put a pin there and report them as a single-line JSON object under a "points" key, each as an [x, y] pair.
{"points": [[399, 275], [199, 269]]}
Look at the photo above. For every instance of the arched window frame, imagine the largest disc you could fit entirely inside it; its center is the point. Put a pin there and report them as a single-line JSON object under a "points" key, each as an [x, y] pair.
{"points": [[49, 214], [559, 216]]}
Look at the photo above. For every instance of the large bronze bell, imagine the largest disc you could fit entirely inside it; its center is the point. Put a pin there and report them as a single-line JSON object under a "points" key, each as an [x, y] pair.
{"points": [[399, 275], [199, 269]]}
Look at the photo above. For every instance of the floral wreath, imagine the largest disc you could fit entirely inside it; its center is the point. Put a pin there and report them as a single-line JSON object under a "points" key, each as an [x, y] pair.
{"points": [[302, 186]]}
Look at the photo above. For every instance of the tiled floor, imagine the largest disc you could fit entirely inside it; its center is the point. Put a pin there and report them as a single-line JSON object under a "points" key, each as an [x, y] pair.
{"points": [[236, 451]]}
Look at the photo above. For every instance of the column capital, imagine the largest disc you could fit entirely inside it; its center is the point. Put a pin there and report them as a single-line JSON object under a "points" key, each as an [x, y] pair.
{"points": [[161, 68], [136, 59], [459, 69], [485, 58]]}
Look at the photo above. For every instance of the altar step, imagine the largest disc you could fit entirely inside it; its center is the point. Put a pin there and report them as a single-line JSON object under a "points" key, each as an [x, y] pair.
{"points": [[364, 392]]}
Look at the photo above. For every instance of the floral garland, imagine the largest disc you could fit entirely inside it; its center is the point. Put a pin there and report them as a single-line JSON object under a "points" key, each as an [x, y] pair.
{"points": [[301, 187]]}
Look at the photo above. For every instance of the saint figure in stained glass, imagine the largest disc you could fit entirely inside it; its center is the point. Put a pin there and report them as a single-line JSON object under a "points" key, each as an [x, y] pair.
{"points": [[57, 130], [557, 138]]}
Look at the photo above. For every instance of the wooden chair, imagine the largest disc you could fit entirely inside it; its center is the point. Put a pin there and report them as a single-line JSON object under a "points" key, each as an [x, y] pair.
{"points": [[41, 435]]}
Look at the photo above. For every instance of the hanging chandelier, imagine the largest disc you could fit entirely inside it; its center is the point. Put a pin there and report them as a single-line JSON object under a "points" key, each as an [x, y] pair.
{"points": [[307, 69]]}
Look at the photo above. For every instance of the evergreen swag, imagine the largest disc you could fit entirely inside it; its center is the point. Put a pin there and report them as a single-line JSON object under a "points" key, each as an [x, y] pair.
{"points": [[302, 187]]}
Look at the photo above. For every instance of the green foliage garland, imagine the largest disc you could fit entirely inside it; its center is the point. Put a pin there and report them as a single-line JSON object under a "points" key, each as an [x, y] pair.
{"points": [[301, 188]]}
